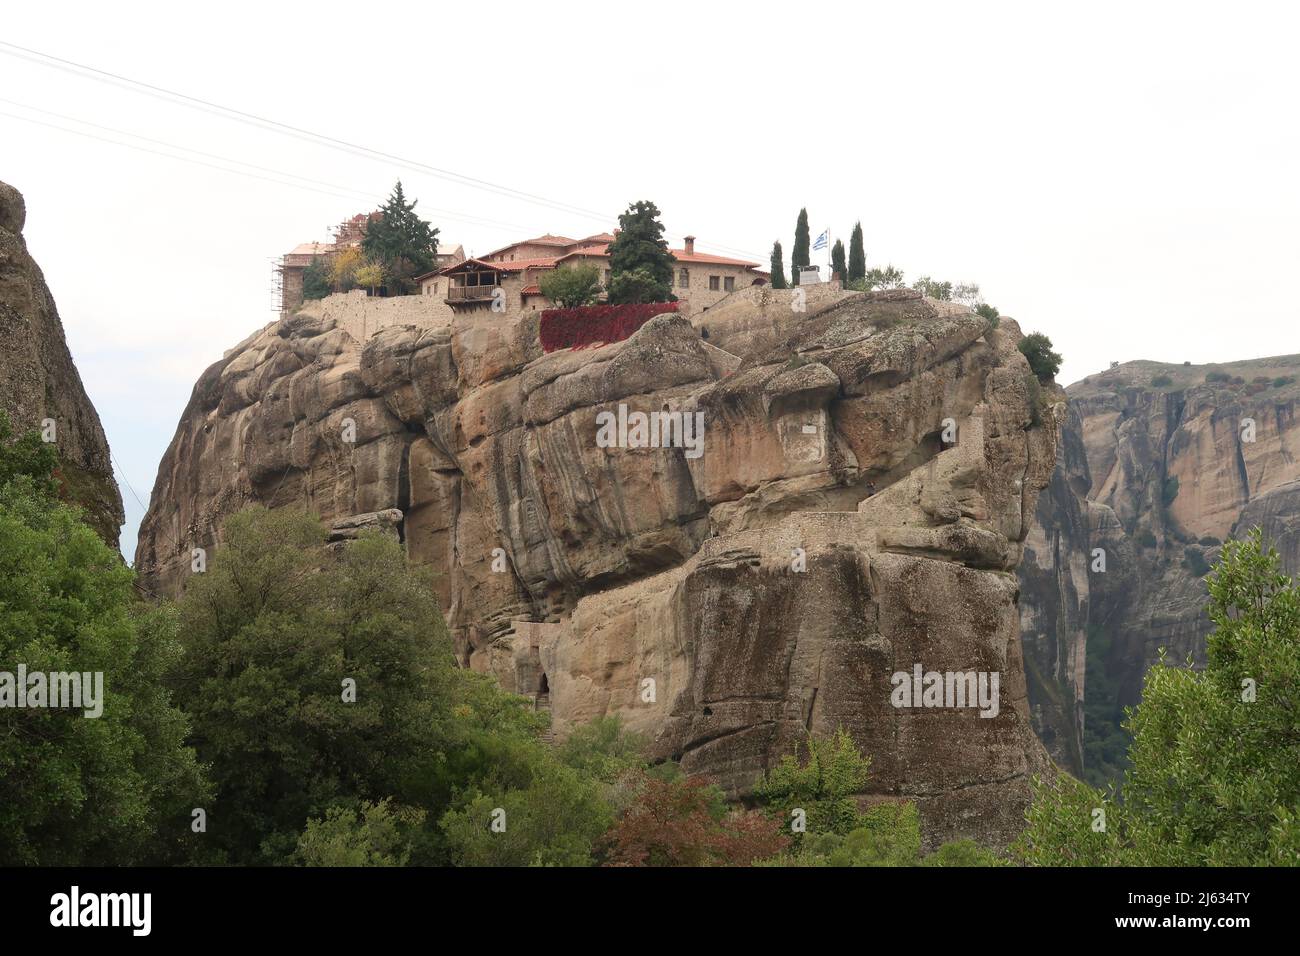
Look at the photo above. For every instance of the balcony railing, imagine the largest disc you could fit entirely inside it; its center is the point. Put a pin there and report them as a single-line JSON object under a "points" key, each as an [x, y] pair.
{"points": [[468, 293]]}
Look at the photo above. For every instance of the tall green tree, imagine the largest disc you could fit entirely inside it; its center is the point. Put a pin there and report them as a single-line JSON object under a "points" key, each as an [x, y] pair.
{"points": [[400, 241], [313, 678], [857, 254], [799, 255], [778, 267], [1037, 348], [1214, 777], [110, 782], [837, 261], [316, 282], [641, 267]]}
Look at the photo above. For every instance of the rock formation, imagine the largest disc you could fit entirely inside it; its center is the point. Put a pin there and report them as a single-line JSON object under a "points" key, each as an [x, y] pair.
{"points": [[1159, 465], [868, 474], [39, 381]]}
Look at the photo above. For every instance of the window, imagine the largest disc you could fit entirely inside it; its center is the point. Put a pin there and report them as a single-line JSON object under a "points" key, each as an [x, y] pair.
{"points": [[713, 283], [684, 280], [729, 283]]}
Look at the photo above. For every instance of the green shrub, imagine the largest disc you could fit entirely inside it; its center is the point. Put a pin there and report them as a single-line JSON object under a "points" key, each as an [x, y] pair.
{"points": [[1037, 349], [1161, 381], [1146, 538], [1170, 491], [1283, 380], [1211, 377], [1209, 541], [1194, 561]]}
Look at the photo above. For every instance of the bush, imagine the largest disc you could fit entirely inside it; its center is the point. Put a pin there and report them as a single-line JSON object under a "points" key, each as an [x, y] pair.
{"points": [[1161, 381], [576, 328], [316, 279], [1283, 380], [571, 287], [989, 312], [1170, 491], [1147, 538], [1037, 348], [1194, 561], [1211, 377], [1209, 541]]}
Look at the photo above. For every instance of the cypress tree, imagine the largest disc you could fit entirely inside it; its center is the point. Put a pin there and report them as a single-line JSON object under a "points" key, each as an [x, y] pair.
{"points": [[778, 267], [857, 254], [837, 261], [799, 257]]}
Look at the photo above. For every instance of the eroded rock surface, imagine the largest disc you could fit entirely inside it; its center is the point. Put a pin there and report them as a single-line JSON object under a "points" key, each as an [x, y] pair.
{"points": [[868, 477], [39, 381], [1160, 463]]}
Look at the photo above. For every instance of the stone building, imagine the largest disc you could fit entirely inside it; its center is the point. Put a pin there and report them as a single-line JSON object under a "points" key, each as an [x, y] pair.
{"points": [[510, 275]]}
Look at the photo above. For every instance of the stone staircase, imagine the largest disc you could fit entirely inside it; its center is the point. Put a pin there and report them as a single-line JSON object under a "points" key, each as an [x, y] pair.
{"points": [[542, 702]]}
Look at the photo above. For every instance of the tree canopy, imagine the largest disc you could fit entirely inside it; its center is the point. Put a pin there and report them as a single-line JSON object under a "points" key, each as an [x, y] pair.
{"points": [[400, 241], [641, 267]]}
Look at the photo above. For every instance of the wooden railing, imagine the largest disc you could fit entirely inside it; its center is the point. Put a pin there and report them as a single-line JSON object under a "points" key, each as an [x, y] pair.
{"points": [[463, 293]]}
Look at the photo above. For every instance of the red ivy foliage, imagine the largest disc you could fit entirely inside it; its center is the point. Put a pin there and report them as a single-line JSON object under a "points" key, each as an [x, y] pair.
{"points": [[674, 823], [589, 324]]}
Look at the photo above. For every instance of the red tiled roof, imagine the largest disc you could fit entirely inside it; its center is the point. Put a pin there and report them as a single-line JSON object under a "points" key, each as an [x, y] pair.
{"points": [[519, 265], [698, 258], [546, 240], [531, 290]]}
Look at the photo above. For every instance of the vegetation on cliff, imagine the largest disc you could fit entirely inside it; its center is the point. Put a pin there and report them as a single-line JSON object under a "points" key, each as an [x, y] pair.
{"points": [[1214, 777]]}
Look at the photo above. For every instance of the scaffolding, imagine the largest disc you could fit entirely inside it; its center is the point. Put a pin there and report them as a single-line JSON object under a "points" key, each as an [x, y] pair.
{"points": [[277, 283]]}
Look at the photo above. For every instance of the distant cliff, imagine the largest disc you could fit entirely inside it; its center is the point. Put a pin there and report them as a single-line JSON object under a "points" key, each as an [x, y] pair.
{"points": [[1159, 464], [867, 476], [38, 379]]}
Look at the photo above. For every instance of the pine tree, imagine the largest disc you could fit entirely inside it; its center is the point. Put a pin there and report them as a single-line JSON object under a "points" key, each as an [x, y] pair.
{"points": [[400, 241], [857, 254], [799, 257], [640, 265], [778, 267], [837, 260]]}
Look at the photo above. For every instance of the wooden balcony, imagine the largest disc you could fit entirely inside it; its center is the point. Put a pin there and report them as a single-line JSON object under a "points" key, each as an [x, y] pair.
{"points": [[470, 293]]}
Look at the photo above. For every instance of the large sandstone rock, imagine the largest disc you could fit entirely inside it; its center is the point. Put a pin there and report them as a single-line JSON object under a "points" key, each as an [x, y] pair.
{"points": [[38, 379], [865, 484]]}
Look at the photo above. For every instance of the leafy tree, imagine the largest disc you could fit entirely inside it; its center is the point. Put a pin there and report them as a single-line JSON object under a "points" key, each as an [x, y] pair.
{"points": [[272, 631], [879, 278], [555, 819], [685, 822], [799, 255], [778, 267], [823, 785], [571, 286], [639, 285], [111, 789], [603, 750], [1037, 348], [857, 255], [365, 834], [988, 312], [1215, 779], [370, 275], [343, 268], [837, 261], [316, 279], [933, 289], [640, 264], [400, 241]]}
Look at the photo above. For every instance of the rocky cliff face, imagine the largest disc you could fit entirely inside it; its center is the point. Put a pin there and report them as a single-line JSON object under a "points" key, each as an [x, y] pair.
{"points": [[1160, 464], [38, 380], [856, 507]]}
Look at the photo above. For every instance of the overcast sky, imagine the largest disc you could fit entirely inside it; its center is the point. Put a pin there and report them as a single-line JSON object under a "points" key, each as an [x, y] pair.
{"points": [[1119, 176]]}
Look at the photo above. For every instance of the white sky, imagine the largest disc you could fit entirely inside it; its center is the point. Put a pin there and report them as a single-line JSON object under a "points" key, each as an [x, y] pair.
{"points": [[1119, 176]]}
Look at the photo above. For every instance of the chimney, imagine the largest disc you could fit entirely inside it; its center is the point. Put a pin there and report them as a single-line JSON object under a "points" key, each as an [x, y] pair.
{"points": [[690, 245]]}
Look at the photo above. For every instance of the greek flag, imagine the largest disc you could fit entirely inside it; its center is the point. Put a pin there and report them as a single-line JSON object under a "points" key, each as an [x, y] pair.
{"points": [[822, 240]]}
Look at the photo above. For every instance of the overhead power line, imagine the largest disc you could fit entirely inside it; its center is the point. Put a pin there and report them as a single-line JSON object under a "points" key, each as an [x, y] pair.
{"points": [[105, 76]]}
